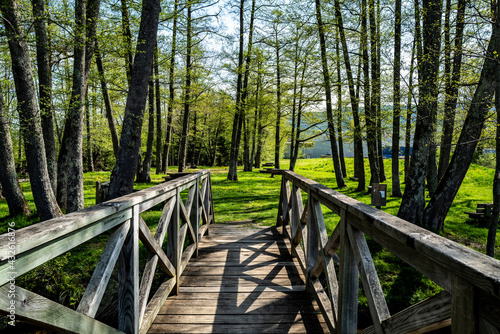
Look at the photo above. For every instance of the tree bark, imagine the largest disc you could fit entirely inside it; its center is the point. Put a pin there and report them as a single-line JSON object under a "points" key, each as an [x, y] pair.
{"points": [[492, 229], [70, 164], [159, 136], [329, 113], [28, 112], [45, 88], [127, 40], [122, 177], [184, 140], [232, 174], [339, 111], [171, 95], [396, 187], [439, 205], [409, 114], [9, 184], [277, 135], [451, 92], [247, 166], [145, 173], [378, 95], [359, 168], [90, 162], [370, 115], [107, 101], [413, 203]]}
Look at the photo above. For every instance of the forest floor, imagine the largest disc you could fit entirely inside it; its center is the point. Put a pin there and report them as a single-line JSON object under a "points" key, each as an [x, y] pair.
{"points": [[254, 199]]}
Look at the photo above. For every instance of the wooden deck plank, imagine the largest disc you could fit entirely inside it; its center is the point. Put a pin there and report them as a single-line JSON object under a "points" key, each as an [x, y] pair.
{"points": [[243, 281]]}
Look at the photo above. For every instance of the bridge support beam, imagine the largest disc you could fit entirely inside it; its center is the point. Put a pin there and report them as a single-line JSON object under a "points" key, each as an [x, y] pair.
{"points": [[128, 279]]}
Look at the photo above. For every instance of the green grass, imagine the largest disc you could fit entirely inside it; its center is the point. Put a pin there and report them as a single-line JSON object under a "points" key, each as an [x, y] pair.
{"points": [[254, 199]]}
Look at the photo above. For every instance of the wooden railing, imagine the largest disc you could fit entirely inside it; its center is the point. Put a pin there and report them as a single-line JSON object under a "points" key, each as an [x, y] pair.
{"points": [[470, 302], [25, 249]]}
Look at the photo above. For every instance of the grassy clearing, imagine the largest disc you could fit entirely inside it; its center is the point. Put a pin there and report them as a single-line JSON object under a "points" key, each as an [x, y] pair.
{"points": [[254, 198]]}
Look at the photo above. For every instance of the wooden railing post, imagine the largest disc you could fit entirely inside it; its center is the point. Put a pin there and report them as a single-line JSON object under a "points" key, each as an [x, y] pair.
{"points": [[128, 279], [311, 248], [194, 216], [173, 247], [349, 281], [463, 317]]}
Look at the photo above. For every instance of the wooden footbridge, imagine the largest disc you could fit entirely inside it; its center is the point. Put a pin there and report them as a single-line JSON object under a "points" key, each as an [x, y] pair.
{"points": [[233, 278]]}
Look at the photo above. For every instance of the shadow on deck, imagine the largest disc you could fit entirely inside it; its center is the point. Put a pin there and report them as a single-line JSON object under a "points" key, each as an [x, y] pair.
{"points": [[243, 281]]}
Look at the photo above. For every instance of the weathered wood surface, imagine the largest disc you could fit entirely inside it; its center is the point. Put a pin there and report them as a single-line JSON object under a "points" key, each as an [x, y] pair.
{"points": [[42, 242], [471, 279], [243, 281]]}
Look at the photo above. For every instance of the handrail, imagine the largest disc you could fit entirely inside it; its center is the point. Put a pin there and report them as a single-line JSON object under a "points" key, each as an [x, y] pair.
{"points": [[471, 280], [25, 249]]}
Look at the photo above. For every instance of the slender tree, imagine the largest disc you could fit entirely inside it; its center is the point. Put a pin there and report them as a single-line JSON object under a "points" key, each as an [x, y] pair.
{"points": [[451, 90], [413, 203], [45, 87], [171, 89], [8, 178], [183, 142], [28, 112], [107, 101], [122, 177], [370, 115], [396, 188], [359, 168], [159, 136], [244, 94], [127, 39], [329, 113], [409, 112], [232, 174], [339, 108], [145, 173]]}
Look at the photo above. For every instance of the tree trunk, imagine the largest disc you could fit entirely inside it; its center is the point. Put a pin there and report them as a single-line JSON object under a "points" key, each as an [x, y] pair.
{"points": [[247, 166], [359, 168], [145, 173], [122, 177], [70, 164], [299, 120], [329, 113], [159, 136], [293, 159], [9, 184], [370, 116], [277, 136], [107, 101], [127, 40], [183, 142], [90, 162], [380, 156], [339, 111], [492, 229], [451, 92], [413, 203], [232, 174], [409, 114], [45, 88], [171, 95], [28, 113], [439, 205], [258, 117], [396, 188]]}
